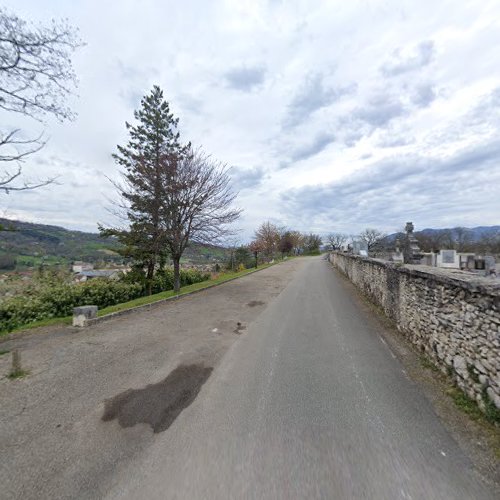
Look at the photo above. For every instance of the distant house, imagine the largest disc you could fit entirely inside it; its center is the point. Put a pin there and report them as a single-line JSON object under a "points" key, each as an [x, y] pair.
{"points": [[112, 274], [79, 266]]}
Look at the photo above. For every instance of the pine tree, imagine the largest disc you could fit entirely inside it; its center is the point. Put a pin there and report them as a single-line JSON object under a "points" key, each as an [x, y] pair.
{"points": [[154, 137]]}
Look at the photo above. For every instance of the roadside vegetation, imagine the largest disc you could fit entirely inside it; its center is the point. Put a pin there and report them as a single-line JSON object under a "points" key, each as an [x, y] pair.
{"points": [[54, 296], [189, 281]]}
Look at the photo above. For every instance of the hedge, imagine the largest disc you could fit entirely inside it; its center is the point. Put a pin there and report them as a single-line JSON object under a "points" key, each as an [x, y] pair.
{"points": [[55, 300], [164, 280], [59, 300]]}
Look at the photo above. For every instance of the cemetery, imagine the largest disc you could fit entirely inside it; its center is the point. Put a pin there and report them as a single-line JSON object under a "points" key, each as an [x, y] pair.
{"points": [[446, 303]]}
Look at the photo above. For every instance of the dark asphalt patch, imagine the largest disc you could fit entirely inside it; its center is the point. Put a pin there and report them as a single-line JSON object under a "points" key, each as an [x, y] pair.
{"points": [[158, 404], [255, 303]]}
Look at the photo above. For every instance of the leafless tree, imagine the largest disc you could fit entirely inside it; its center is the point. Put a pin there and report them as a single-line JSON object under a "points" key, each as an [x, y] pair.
{"points": [[297, 241], [256, 247], [196, 203], [336, 240], [463, 239], [434, 241], [372, 237], [268, 234], [36, 77]]}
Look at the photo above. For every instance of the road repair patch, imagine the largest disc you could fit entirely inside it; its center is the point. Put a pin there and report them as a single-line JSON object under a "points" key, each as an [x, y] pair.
{"points": [[158, 404]]}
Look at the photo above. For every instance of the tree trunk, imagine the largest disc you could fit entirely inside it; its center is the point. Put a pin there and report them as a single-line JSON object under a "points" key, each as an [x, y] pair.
{"points": [[177, 274], [256, 260], [149, 277]]}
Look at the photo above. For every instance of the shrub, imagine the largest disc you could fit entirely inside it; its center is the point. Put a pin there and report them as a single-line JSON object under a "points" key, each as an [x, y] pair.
{"points": [[58, 300], [164, 280]]}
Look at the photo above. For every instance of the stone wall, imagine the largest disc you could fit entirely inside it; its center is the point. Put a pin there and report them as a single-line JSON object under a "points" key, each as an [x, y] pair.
{"points": [[455, 320]]}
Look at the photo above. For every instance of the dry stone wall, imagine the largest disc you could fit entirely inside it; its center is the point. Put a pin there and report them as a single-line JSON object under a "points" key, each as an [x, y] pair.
{"points": [[456, 322]]}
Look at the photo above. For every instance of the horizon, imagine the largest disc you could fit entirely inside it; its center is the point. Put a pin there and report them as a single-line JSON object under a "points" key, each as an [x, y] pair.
{"points": [[350, 235]]}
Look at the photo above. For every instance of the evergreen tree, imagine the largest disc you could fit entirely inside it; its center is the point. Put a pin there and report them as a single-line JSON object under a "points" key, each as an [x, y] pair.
{"points": [[153, 138]]}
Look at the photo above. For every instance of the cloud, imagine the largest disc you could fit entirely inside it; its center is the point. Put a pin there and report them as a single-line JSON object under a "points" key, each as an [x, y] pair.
{"points": [[245, 79], [393, 140], [313, 95], [263, 86], [380, 110], [246, 178], [423, 95], [409, 60], [308, 150], [407, 187]]}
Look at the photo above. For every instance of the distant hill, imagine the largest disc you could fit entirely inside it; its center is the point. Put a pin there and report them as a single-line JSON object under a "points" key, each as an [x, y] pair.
{"points": [[33, 244], [475, 233]]}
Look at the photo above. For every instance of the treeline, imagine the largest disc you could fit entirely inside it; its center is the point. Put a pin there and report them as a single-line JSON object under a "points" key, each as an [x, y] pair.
{"points": [[271, 242], [459, 238]]}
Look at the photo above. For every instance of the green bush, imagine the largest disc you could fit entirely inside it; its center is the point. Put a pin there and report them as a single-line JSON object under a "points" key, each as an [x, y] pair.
{"points": [[53, 301], [164, 280]]}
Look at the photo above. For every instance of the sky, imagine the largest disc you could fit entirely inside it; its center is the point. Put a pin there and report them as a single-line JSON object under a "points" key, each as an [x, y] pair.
{"points": [[332, 116]]}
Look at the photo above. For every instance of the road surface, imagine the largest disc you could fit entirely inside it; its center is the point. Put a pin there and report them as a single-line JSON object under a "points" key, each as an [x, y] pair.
{"points": [[310, 403], [303, 399]]}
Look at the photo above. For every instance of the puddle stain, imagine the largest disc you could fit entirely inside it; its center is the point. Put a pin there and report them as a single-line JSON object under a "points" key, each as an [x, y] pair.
{"points": [[254, 303], [158, 404]]}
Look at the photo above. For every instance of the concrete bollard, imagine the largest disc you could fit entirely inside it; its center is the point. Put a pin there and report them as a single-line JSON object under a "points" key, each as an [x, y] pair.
{"points": [[82, 314]]}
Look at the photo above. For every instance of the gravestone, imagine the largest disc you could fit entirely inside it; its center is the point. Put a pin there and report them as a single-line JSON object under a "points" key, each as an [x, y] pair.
{"points": [[490, 268], [471, 262], [360, 247], [397, 255], [427, 259], [448, 258]]}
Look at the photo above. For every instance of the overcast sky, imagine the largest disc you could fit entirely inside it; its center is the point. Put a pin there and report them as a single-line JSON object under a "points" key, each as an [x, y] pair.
{"points": [[334, 115]]}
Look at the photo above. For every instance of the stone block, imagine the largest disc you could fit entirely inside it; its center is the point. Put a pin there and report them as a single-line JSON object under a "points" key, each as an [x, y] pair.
{"points": [[82, 314]]}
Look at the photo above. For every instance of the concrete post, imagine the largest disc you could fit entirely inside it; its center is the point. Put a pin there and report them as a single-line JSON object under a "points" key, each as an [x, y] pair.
{"points": [[82, 314]]}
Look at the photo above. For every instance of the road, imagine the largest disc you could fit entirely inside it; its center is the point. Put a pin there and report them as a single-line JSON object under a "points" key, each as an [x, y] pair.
{"points": [[308, 404], [305, 400]]}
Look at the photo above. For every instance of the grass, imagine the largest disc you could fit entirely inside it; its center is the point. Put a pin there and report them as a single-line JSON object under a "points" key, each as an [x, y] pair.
{"points": [[465, 403], [151, 299], [4, 352], [427, 363], [39, 324], [17, 374]]}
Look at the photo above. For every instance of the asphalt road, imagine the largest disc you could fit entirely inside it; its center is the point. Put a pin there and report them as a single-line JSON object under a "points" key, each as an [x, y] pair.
{"points": [[308, 403], [276, 385]]}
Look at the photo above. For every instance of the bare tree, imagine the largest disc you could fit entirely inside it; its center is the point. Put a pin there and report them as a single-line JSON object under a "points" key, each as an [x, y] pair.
{"points": [[196, 203], [297, 241], [36, 77], [372, 238], [286, 243], [433, 241], [336, 240], [268, 234], [311, 243], [463, 239], [256, 247]]}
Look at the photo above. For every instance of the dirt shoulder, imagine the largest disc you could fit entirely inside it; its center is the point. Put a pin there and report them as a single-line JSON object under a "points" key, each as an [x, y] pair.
{"points": [[53, 440]]}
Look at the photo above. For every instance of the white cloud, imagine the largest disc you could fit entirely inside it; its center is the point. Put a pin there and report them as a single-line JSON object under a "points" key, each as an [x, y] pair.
{"points": [[262, 85]]}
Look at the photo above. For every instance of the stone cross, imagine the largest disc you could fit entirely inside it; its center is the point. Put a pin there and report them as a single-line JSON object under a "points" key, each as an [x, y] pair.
{"points": [[411, 252]]}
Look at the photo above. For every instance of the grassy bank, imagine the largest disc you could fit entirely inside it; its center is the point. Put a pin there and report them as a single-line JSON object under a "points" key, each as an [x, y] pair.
{"points": [[151, 299]]}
